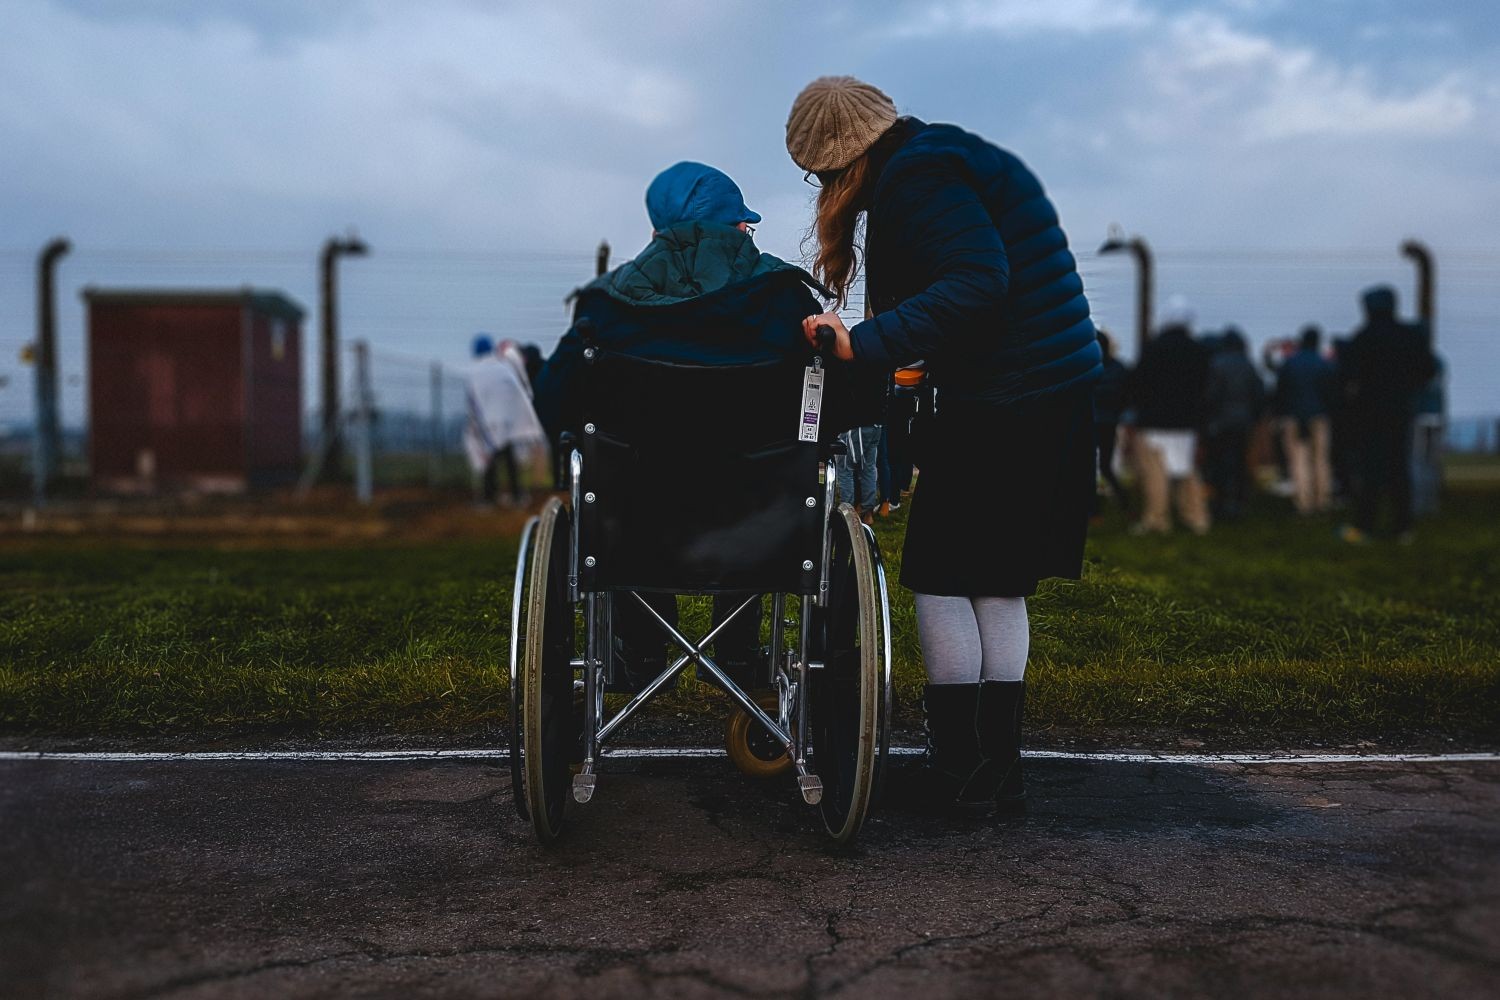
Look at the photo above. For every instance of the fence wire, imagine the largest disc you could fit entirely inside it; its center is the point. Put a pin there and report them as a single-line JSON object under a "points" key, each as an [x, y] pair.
{"points": [[420, 306], [418, 409]]}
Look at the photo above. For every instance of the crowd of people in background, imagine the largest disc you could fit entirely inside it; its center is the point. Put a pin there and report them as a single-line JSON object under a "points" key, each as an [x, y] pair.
{"points": [[1343, 422], [1337, 420]]}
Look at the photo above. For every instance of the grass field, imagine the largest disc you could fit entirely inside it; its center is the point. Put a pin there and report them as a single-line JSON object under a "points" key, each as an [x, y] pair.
{"points": [[1269, 629]]}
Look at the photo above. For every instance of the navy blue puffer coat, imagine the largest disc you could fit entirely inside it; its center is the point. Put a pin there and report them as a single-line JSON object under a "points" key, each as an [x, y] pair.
{"points": [[968, 269]]}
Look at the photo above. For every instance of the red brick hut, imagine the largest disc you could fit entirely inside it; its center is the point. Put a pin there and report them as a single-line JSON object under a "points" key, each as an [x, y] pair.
{"points": [[194, 390]]}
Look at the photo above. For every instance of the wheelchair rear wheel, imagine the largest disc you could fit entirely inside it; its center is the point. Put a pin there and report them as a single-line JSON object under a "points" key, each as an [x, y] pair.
{"points": [[517, 637], [848, 693], [552, 725]]}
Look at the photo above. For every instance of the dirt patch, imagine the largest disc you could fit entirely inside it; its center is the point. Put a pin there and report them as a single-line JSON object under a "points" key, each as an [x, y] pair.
{"points": [[327, 516]]}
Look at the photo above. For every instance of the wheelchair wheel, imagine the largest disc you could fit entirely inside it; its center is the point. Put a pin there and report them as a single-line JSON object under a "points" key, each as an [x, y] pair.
{"points": [[888, 686], [751, 748], [517, 637], [847, 694], [551, 725]]}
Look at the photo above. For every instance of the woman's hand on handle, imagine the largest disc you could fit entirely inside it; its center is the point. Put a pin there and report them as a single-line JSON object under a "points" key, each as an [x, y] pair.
{"points": [[842, 348]]}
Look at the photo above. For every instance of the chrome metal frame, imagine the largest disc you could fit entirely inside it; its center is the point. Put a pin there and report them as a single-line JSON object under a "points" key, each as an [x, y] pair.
{"points": [[693, 653], [778, 639], [809, 783], [830, 481], [598, 612], [789, 673], [575, 478]]}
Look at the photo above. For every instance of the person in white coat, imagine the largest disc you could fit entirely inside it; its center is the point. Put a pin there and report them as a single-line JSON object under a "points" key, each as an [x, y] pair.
{"points": [[501, 421]]}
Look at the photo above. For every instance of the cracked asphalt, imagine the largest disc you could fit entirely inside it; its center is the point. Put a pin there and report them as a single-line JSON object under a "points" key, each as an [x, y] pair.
{"points": [[682, 879]]}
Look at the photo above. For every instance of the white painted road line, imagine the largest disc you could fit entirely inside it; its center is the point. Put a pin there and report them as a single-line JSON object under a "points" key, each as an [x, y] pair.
{"points": [[695, 753]]}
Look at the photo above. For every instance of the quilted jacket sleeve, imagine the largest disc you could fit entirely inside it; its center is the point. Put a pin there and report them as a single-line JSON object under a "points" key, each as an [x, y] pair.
{"points": [[950, 241]]}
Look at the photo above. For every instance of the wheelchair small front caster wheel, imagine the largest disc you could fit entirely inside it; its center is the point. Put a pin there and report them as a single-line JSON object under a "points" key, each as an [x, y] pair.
{"points": [[753, 750]]}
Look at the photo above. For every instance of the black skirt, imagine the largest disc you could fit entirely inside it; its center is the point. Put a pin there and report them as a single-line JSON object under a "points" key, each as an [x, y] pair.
{"points": [[1003, 497]]}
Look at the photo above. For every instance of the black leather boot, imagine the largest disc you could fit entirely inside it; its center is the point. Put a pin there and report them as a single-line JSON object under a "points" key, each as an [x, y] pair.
{"points": [[943, 782], [999, 727]]}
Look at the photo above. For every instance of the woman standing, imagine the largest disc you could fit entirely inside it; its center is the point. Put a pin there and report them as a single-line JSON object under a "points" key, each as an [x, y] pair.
{"points": [[967, 269]]}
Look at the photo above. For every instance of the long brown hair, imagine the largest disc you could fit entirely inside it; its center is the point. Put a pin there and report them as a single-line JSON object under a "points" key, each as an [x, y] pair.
{"points": [[837, 227], [842, 201]]}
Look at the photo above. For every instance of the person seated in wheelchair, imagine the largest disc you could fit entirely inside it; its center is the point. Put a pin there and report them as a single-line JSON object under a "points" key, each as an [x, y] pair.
{"points": [[700, 293]]}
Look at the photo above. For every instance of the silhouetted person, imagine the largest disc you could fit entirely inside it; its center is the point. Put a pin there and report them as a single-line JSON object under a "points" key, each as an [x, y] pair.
{"points": [[1306, 387], [1427, 453], [858, 470], [1233, 398], [1343, 448], [1110, 398], [1386, 365], [1273, 354], [501, 419], [1166, 390]]}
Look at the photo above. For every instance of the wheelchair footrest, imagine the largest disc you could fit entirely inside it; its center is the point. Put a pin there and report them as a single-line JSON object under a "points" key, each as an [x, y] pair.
{"points": [[583, 786], [810, 785]]}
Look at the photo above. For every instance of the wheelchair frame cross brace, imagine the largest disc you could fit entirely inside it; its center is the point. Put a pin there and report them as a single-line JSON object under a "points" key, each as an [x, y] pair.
{"points": [[845, 743], [791, 687], [790, 678]]}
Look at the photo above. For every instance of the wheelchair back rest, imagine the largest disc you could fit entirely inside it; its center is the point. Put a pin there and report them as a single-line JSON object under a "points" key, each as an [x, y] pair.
{"points": [[699, 482]]}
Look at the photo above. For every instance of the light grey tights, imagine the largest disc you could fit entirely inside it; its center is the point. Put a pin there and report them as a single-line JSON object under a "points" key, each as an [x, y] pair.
{"points": [[966, 639]]}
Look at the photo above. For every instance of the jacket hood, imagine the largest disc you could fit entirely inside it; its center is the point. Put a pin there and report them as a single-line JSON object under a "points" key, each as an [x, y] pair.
{"points": [[689, 261]]}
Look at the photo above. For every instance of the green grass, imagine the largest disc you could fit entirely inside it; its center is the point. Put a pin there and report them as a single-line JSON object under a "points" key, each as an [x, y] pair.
{"points": [[1268, 629], [1273, 627]]}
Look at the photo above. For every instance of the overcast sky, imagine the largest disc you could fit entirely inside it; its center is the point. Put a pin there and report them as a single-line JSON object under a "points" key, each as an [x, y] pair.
{"points": [[1275, 153]]}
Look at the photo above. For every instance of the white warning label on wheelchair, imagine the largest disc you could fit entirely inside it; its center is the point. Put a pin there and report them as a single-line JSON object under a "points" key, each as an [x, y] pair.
{"points": [[812, 404]]}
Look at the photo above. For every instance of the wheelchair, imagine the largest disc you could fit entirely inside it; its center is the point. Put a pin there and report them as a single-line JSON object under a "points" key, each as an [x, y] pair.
{"points": [[692, 479]]}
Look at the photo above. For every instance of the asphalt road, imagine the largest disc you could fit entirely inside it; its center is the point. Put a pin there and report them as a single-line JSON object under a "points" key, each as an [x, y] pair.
{"points": [[291, 879]]}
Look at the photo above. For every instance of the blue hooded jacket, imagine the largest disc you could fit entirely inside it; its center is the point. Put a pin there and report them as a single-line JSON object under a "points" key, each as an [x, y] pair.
{"points": [[968, 268], [700, 293]]}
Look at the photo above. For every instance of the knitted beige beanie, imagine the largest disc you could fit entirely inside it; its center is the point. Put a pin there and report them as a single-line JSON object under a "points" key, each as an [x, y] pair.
{"points": [[834, 120]]}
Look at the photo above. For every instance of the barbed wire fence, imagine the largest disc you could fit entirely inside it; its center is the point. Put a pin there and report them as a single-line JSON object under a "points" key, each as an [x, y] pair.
{"points": [[446, 296], [416, 413], [404, 421]]}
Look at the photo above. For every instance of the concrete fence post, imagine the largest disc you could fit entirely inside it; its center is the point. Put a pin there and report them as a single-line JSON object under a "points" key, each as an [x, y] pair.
{"points": [[364, 459], [1145, 277], [48, 450], [435, 447], [352, 246]]}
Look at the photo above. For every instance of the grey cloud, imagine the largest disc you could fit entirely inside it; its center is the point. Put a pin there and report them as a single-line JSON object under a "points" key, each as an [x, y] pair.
{"points": [[1015, 17], [534, 128]]}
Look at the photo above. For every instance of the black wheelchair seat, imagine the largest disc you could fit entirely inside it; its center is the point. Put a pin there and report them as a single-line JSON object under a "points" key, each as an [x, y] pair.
{"points": [[694, 479]]}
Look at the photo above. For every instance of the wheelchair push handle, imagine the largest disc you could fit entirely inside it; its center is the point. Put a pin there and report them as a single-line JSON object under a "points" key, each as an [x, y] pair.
{"points": [[826, 338]]}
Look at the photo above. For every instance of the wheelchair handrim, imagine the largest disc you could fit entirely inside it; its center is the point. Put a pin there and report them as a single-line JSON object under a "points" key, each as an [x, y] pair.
{"points": [[844, 828], [547, 826], [517, 773]]}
